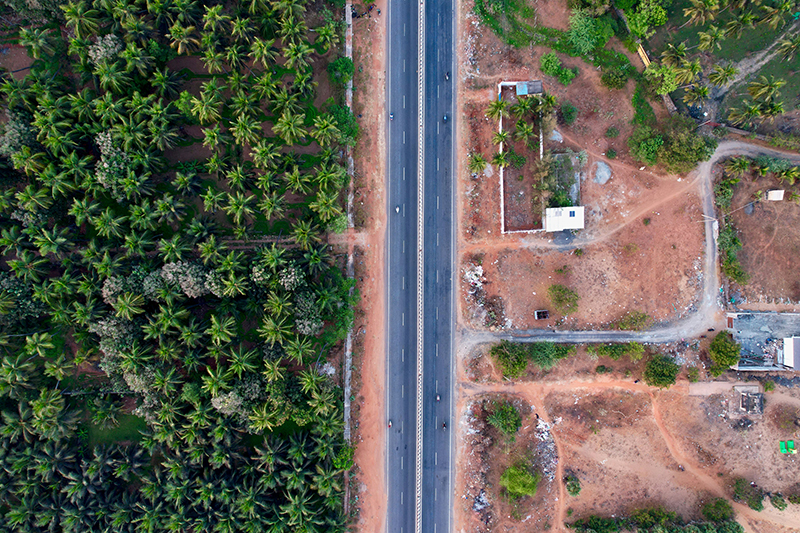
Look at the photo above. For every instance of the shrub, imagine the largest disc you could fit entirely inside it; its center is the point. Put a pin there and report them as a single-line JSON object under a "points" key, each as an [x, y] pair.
{"points": [[519, 481], [693, 374], [729, 246], [617, 351], [545, 355], [744, 492], [683, 147], [505, 417], [769, 386], [778, 502], [346, 122], [724, 352], [512, 357], [596, 524], [566, 75], [563, 299], [633, 321], [718, 510], [645, 143], [603, 369], [585, 32], [344, 459], [568, 113], [615, 78], [723, 193], [661, 371], [611, 153], [550, 64], [654, 516], [341, 70], [612, 132], [794, 499], [573, 484], [643, 113]]}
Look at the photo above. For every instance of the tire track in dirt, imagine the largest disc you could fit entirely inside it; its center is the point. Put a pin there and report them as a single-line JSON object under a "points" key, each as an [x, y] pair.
{"points": [[535, 393]]}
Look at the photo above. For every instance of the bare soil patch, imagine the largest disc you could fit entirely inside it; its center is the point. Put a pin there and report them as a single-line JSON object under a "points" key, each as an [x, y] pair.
{"points": [[770, 235]]}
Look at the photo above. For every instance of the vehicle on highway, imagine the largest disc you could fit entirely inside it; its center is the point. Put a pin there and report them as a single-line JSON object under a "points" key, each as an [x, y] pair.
{"points": [[445, 118], [390, 423], [391, 116], [447, 76], [444, 425], [438, 398], [397, 209]]}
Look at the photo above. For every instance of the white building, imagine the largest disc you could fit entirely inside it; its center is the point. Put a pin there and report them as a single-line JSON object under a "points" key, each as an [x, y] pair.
{"points": [[561, 218], [791, 352]]}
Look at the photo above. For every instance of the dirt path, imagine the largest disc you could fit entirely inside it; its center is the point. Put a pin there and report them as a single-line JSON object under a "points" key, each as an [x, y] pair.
{"points": [[535, 393]]}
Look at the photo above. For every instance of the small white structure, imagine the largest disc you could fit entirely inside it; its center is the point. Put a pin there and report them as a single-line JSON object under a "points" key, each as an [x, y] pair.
{"points": [[775, 195], [561, 218], [791, 352]]}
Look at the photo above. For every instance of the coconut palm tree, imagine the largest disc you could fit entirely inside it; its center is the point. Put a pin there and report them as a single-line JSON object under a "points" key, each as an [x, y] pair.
{"points": [[37, 41], [273, 205], [497, 109], [737, 166], [183, 38], [775, 15], [242, 30], [325, 130], [477, 163], [722, 75], [83, 20], [290, 127], [275, 330], [746, 114], [327, 37], [500, 159], [500, 137], [298, 56], [112, 76], [688, 71], [305, 234], [326, 206], [735, 27], [701, 11], [524, 131], [165, 82], [771, 109], [695, 95], [765, 89], [214, 20], [239, 207], [246, 129], [789, 46], [711, 38]]}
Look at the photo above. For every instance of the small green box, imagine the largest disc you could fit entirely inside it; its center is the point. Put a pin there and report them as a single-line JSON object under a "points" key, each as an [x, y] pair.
{"points": [[782, 445]]}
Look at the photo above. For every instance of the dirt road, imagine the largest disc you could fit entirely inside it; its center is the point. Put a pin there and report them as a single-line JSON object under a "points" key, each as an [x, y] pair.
{"points": [[709, 313]]}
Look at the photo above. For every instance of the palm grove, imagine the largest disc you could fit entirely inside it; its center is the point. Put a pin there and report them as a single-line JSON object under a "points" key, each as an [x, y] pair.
{"points": [[120, 258]]}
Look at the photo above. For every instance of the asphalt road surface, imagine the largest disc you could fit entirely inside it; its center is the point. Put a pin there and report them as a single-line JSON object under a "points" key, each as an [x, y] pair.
{"points": [[402, 249]]}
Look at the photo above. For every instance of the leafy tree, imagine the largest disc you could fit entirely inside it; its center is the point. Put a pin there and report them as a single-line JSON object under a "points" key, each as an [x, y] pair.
{"points": [[477, 163], [724, 352], [572, 484], [744, 492], [711, 38], [789, 46], [585, 32], [649, 14], [661, 371], [701, 11], [722, 75], [497, 109]]}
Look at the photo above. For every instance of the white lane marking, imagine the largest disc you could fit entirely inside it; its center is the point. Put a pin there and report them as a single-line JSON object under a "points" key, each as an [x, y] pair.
{"points": [[402, 355], [437, 128], [435, 497], [404, 30], [402, 391], [437, 169], [404, 246], [404, 101], [437, 239], [436, 386], [401, 463], [437, 202], [437, 276], [403, 315], [401, 497], [404, 136], [435, 458], [404, 179], [437, 92], [404, 283], [404, 65], [437, 313], [437, 349]]}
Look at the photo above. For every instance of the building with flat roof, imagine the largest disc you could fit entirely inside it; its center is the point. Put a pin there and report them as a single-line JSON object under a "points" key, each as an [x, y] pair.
{"points": [[561, 218]]}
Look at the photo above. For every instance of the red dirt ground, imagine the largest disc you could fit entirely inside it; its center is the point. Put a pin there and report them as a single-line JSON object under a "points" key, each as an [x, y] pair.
{"points": [[771, 243]]}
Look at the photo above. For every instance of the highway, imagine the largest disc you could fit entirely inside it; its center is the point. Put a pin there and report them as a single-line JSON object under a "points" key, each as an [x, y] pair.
{"points": [[431, 509]]}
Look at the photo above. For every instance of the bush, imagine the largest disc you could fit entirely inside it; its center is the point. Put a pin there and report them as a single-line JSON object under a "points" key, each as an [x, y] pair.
{"points": [[654, 516], [718, 510], [645, 143], [778, 502], [794, 499], [551, 66], [585, 32], [573, 484], [611, 153], [519, 481], [596, 524], [603, 369], [693, 374], [545, 355], [729, 246], [615, 78], [505, 417], [744, 492], [563, 299], [723, 193], [724, 352], [661, 371], [683, 147], [643, 113], [634, 350], [341, 70], [633, 321], [568, 113], [512, 357], [769, 386], [346, 122], [612, 132]]}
